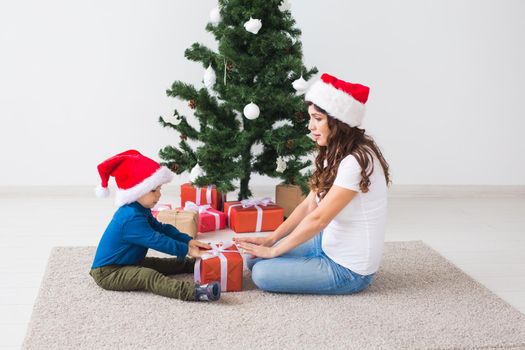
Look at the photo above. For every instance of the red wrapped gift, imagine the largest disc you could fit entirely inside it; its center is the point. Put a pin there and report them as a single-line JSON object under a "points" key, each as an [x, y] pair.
{"points": [[159, 207], [209, 219], [201, 195], [223, 263], [253, 215]]}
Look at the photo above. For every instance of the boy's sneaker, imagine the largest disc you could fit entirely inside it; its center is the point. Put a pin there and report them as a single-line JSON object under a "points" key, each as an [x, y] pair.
{"points": [[208, 292]]}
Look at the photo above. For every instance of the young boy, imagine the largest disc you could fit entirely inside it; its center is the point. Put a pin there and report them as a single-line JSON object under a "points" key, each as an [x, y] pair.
{"points": [[120, 262]]}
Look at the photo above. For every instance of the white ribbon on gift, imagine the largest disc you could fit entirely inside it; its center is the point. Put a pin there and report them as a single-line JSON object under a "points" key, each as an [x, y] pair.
{"points": [[190, 206], [198, 194], [248, 203], [217, 250]]}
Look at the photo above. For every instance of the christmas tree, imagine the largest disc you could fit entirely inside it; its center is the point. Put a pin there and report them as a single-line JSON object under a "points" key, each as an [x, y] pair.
{"points": [[250, 99]]}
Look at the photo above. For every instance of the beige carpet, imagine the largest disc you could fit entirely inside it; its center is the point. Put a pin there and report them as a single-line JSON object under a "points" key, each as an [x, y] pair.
{"points": [[418, 301]]}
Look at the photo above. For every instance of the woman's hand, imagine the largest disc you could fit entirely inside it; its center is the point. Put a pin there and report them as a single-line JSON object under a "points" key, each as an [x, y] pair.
{"points": [[257, 251], [264, 241], [194, 248]]}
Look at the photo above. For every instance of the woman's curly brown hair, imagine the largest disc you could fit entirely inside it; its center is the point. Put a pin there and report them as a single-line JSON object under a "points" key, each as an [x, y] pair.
{"points": [[342, 141]]}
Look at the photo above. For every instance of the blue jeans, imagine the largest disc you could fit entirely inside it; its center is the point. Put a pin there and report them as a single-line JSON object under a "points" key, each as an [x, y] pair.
{"points": [[308, 270]]}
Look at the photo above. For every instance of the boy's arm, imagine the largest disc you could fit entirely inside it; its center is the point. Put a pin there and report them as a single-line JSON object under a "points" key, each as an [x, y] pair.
{"points": [[137, 230], [170, 231]]}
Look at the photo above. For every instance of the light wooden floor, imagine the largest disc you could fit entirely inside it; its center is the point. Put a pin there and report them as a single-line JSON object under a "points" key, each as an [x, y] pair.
{"points": [[483, 234]]}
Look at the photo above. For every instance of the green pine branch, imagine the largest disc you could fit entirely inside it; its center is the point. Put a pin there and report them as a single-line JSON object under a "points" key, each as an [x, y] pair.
{"points": [[200, 53], [178, 161]]}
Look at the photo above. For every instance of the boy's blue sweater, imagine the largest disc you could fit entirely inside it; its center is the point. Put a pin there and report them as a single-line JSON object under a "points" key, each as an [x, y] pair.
{"points": [[131, 232]]}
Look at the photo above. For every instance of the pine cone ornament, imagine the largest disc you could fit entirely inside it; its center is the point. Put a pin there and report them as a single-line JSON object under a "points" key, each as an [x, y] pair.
{"points": [[174, 167], [290, 144], [183, 137], [299, 116], [229, 67], [192, 104]]}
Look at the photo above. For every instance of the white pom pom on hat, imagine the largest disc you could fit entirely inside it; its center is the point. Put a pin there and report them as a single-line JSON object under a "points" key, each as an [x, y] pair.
{"points": [[101, 192]]}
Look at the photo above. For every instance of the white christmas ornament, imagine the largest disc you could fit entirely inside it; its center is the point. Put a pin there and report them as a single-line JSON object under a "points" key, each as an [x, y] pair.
{"points": [[215, 16], [196, 172], [285, 5], [253, 25], [209, 77], [300, 85], [281, 165], [251, 111]]}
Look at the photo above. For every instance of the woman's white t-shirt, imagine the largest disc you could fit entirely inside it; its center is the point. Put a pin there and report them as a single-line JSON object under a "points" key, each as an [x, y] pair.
{"points": [[355, 237]]}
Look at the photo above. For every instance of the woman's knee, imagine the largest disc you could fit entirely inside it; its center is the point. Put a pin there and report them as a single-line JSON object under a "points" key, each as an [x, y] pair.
{"points": [[250, 262], [261, 276]]}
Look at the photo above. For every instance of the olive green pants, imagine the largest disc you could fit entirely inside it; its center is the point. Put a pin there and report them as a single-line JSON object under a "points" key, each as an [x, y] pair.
{"points": [[149, 274]]}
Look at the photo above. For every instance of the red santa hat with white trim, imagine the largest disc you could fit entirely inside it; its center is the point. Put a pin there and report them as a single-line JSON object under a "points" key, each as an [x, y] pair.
{"points": [[342, 100], [134, 174]]}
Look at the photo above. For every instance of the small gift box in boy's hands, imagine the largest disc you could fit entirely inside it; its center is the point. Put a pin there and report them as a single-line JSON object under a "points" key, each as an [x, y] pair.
{"points": [[209, 219], [222, 263], [201, 195], [159, 207], [185, 221], [253, 215]]}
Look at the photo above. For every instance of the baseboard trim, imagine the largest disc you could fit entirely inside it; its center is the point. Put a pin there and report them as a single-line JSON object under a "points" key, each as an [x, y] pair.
{"points": [[395, 191], [457, 191]]}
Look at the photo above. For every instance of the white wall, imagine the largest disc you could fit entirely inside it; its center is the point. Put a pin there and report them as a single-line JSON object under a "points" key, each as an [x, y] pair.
{"points": [[82, 80]]}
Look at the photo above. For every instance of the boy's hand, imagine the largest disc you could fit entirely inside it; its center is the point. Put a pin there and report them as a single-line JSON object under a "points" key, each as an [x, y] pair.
{"points": [[194, 248], [195, 252], [198, 244]]}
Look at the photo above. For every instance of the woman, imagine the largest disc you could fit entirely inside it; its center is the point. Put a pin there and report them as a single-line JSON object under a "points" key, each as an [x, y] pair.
{"points": [[333, 241]]}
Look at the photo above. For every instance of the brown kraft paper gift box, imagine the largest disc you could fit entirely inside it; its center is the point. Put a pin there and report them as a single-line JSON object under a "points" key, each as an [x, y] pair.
{"points": [[185, 221], [288, 197]]}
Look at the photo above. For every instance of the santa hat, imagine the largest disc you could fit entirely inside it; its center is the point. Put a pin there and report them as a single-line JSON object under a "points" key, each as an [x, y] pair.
{"points": [[134, 174], [342, 100]]}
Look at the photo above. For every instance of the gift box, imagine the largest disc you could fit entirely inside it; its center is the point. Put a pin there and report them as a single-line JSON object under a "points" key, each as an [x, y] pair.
{"points": [[185, 221], [209, 219], [222, 263], [159, 207], [253, 215], [288, 197], [201, 196]]}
